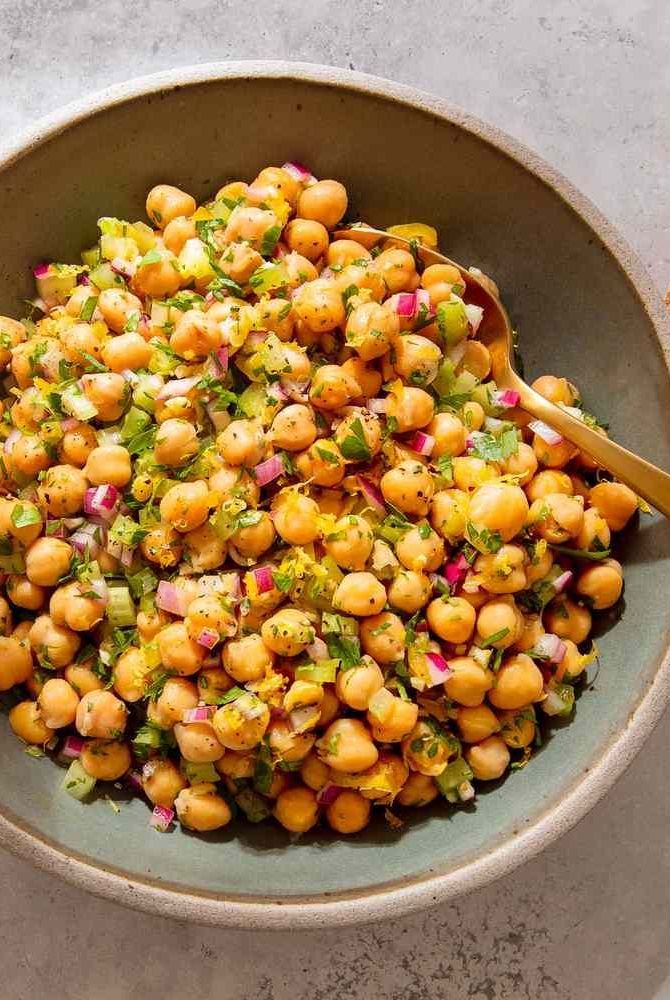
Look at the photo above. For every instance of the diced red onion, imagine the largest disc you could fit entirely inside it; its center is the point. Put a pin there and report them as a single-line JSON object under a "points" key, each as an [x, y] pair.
{"points": [[550, 647], [438, 668], [297, 391], [134, 779], [277, 392], [266, 472], [202, 713], [422, 443], [178, 387], [475, 315], [422, 297], [72, 747], [161, 818], [41, 270], [222, 358], [38, 303], [563, 581], [126, 557], [101, 500], [405, 304], [327, 274], [208, 638], [456, 570], [545, 432], [327, 795], [299, 173], [131, 377], [505, 399], [125, 268], [220, 418], [255, 339], [263, 579], [300, 717], [69, 424], [493, 425], [60, 531], [171, 598], [457, 352], [437, 580], [379, 405], [11, 440], [85, 540], [372, 494], [99, 587], [83, 279], [250, 711], [318, 650]]}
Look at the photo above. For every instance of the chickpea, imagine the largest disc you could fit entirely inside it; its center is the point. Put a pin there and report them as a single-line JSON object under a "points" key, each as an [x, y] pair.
{"points": [[568, 620], [341, 253], [322, 463], [29, 456], [314, 773], [325, 202], [236, 765], [212, 684], [556, 517], [397, 269], [416, 359], [26, 534], [347, 746], [595, 532], [546, 482], [350, 542], [500, 508], [330, 706], [449, 434], [61, 492], [109, 464], [297, 809], [470, 473], [419, 790], [365, 277], [130, 675], [531, 632], [287, 632], [293, 428], [16, 663], [108, 392], [196, 335], [230, 481], [166, 202], [287, 744], [518, 683], [82, 679], [70, 605], [241, 724], [117, 307], [178, 695], [359, 435], [426, 749], [247, 658], [489, 759], [451, 618], [12, 333], [617, 503], [411, 407], [468, 682], [539, 566], [420, 548], [296, 518], [54, 644], [280, 182], [160, 278], [409, 486], [178, 652], [368, 378], [601, 584], [250, 225], [5, 617], [332, 388], [517, 729], [162, 545], [176, 443], [553, 456], [360, 594], [197, 742], [449, 514], [186, 505], [383, 637], [177, 233], [102, 715], [476, 723], [357, 685], [307, 237], [393, 719], [523, 464], [503, 572], [349, 813], [127, 351], [162, 782], [500, 617], [242, 443], [200, 808], [26, 723], [274, 316], [557, 390], [370, 330], [25, 594], [105, 760], [76, 445], [409, 591]]}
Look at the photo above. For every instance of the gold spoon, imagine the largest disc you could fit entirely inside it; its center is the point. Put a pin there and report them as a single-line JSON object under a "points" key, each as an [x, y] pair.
{"points": [[495, 332]]}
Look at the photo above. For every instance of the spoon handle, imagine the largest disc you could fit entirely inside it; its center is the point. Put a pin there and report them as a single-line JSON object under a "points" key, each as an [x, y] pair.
{"points": [[646, 479]]}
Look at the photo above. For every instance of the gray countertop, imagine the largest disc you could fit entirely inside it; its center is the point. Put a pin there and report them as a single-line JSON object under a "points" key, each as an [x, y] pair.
{"points": [[587, 84]]}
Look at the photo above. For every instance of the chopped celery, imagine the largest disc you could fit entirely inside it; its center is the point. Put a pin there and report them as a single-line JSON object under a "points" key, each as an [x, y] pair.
{"points": [[339, 624], [120, 609], [58, 282], [452, 321], [118, 246], [323, 672], [135, 422], [104, 277], [268, 277], [77, 782], [145, 392], [454, 775], [253, 805], [125, 531], [560, 700], [144, 582], [91, 258], [445, 377], [255, 402], [197, 773], [77, 404], [194, 261]]}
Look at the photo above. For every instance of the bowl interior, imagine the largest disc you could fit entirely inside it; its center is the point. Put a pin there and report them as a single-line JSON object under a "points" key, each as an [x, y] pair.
{"points": [[577, 315]]}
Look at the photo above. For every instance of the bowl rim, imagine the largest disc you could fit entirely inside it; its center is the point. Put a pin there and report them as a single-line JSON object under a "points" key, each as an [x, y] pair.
{"points": [[428, 888]]}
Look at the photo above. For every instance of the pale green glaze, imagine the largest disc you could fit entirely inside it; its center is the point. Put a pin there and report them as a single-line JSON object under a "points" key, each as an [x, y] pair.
{"points": [[578, 314]]}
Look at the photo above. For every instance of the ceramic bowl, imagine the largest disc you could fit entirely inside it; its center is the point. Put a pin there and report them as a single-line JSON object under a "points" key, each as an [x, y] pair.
{"points": [[584, 307]]}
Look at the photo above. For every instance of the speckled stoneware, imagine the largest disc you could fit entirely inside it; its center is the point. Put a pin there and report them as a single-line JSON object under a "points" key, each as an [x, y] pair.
{"points": [[584, 307]]}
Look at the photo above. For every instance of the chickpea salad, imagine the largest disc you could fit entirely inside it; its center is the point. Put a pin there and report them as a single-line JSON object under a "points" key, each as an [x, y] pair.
{"points": [[272, 542]]}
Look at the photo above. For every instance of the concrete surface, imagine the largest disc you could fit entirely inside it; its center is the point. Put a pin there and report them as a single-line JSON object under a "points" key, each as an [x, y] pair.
{"points": [[587, 84]]}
